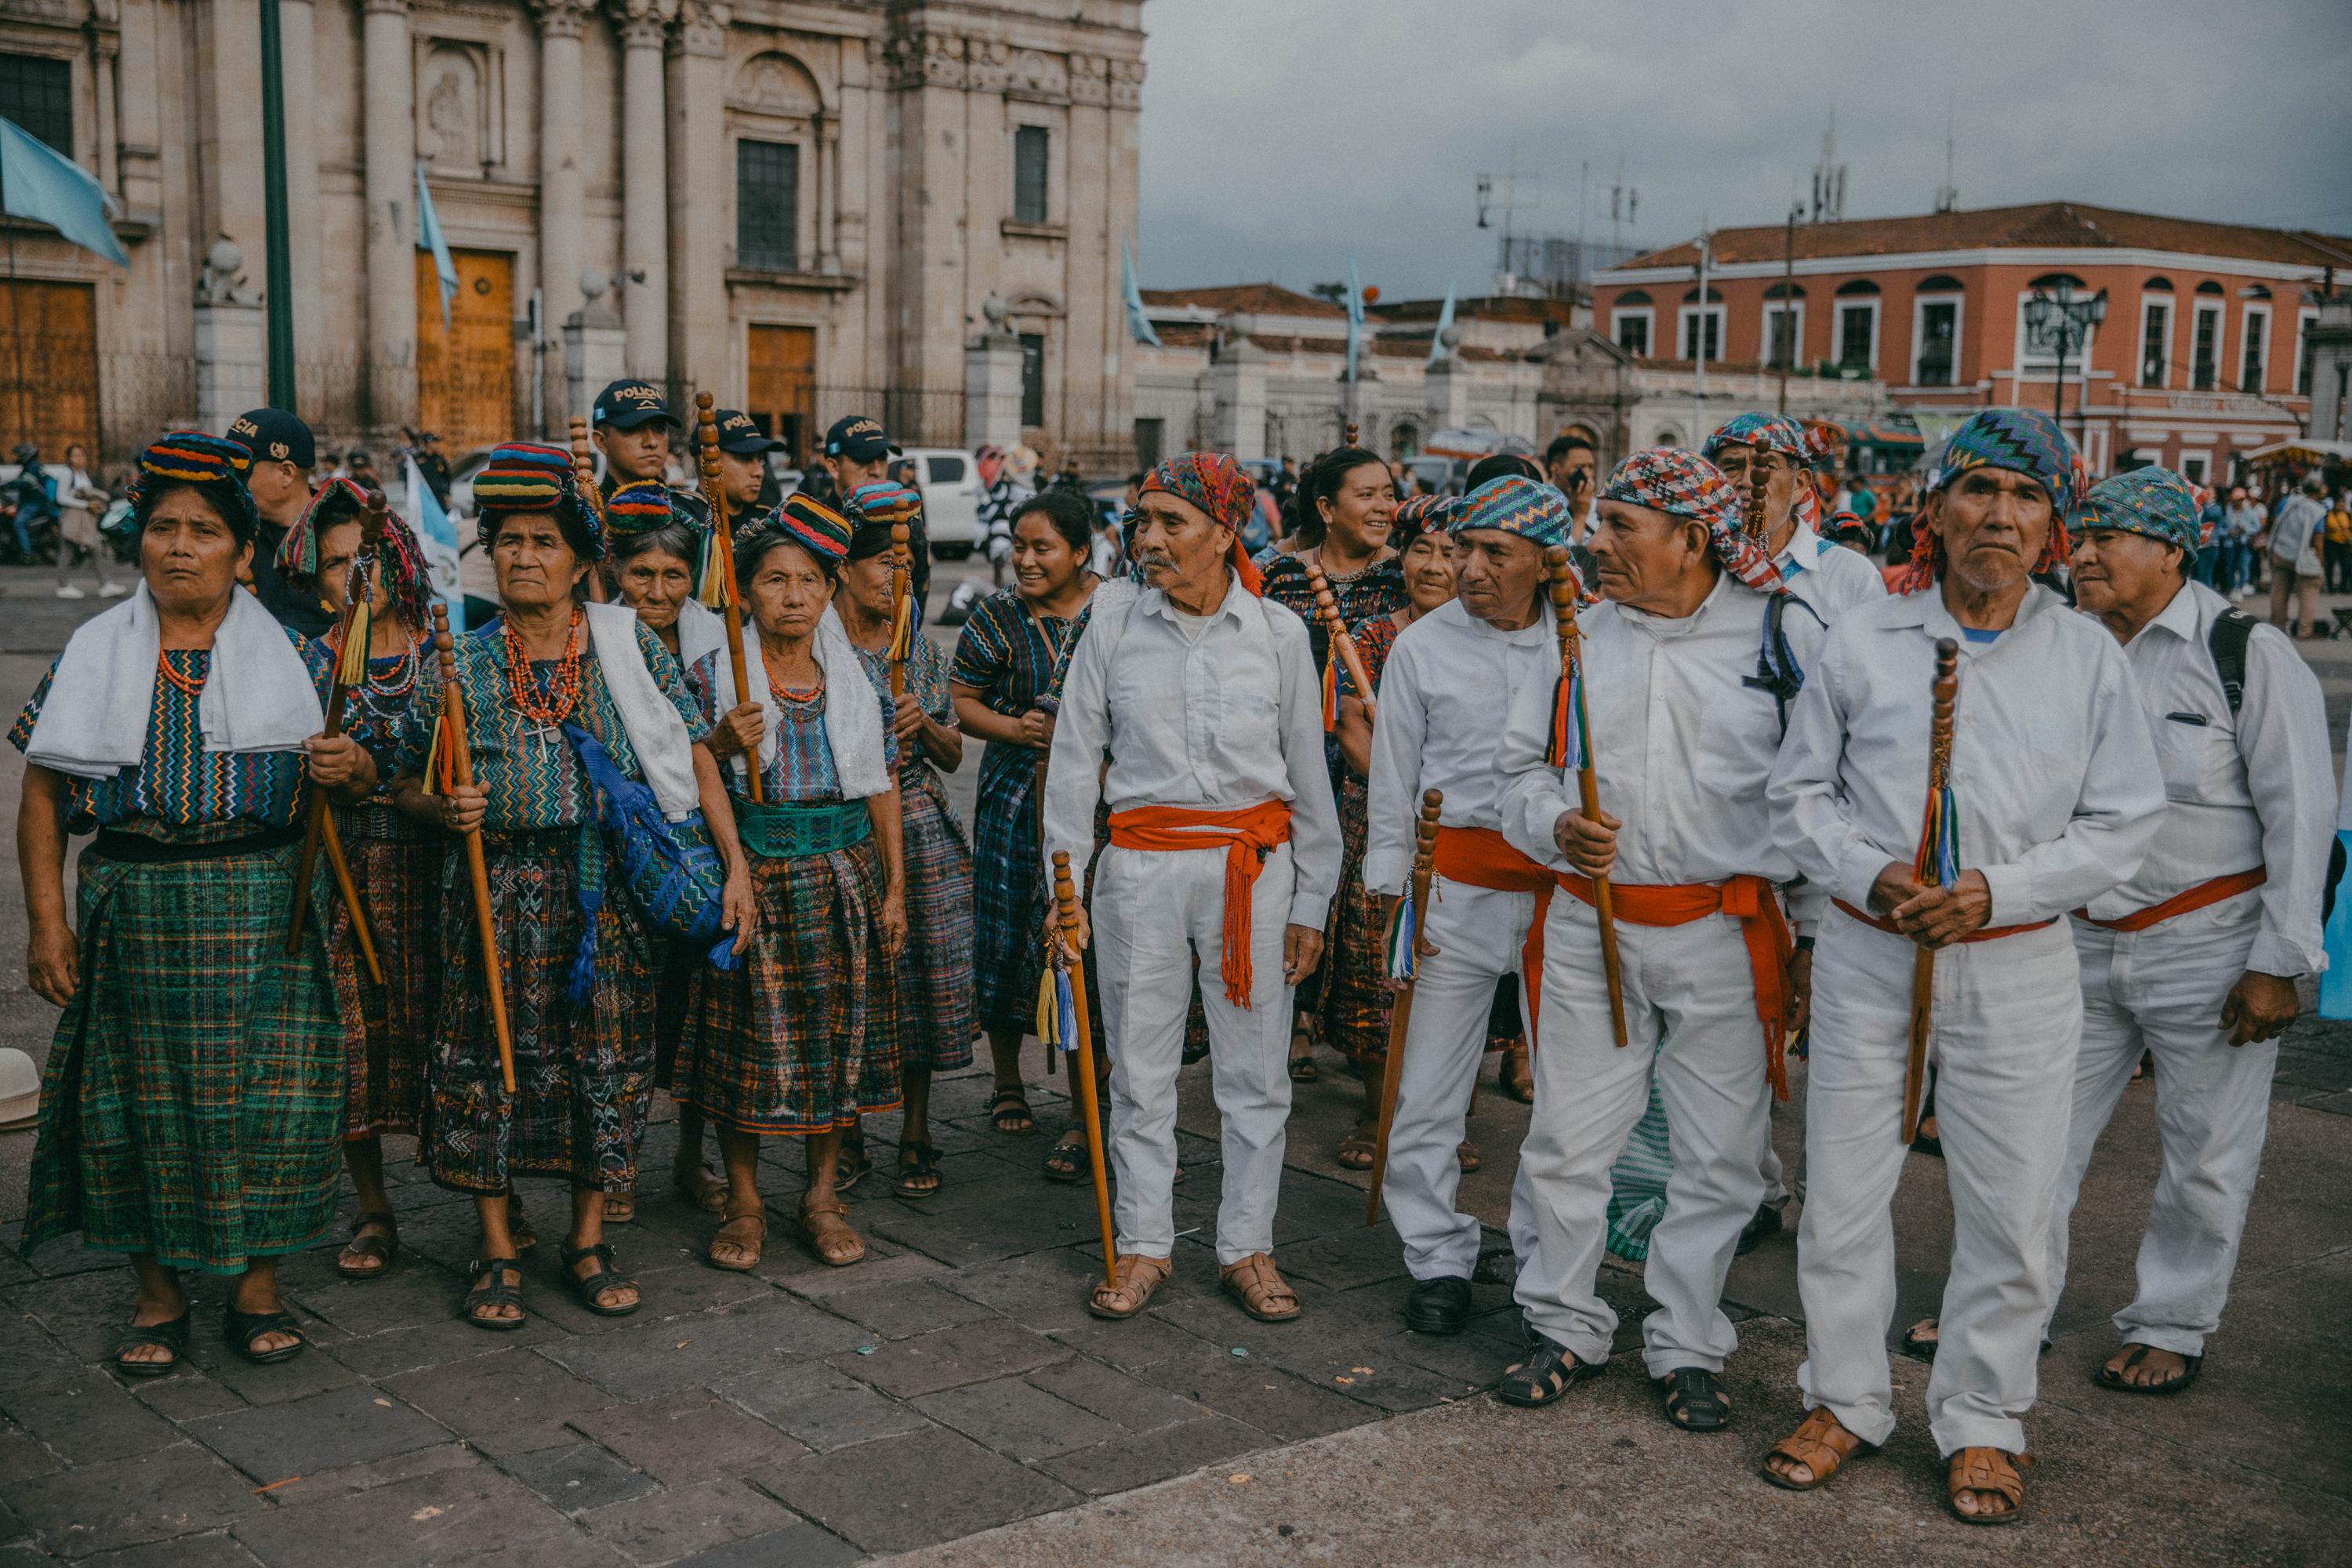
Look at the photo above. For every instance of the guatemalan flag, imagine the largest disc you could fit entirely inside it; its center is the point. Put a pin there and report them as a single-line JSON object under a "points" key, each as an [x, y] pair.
{"points": [[437, 536]]}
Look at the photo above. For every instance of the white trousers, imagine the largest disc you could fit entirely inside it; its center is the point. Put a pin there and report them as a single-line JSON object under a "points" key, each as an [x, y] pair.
{"points": [[1690, 1017], [2008, 1021], [1478, 933], [2161, 991], [1152, 910]]}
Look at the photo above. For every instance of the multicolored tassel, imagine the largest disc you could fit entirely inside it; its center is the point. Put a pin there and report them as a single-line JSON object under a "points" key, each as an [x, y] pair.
{"points": [[1938, 861], [351, 662], [1565, 748], [1332, 694], [902, 629], [1057, 1010], [714, 591], [1403, 961]]}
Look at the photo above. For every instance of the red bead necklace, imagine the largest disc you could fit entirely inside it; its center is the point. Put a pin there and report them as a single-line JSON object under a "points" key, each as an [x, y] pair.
{"points": [[562, 694], [192, 685]]}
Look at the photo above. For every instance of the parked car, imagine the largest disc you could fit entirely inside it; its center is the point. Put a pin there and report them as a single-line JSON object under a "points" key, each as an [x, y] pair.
{"points": [[948, 479]]}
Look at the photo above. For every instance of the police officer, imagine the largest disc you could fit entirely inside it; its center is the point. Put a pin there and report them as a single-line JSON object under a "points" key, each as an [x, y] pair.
{"points": [[283, 454], [631, 425], [743, 473], [857, 451]]}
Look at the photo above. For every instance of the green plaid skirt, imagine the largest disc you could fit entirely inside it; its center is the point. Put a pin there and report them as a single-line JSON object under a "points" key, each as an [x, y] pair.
{"points": [[397, 866], [583, 1075], [803, 1036], [195, 1085], [1637, 1183], [936, 1018]]}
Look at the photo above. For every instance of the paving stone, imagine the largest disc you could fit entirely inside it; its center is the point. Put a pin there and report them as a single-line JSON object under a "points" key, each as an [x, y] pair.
{"points": [[1131, 1403], [1471, 1359], [315, 1371], [220, 1550], [341, 1426], [983, 1237], [414, 1292], [66, 1255], [950, 1357], [882, 1265], [898, 1312], [665, 1526], [821, 1407], [179, 1490], [87, 1417], [324, 1486], [1347, 1259], [1148, 1458], [437, 1341], [1137, 1341], [1389, 1385], [797, 1545], [22, 1459], [184, 1394], [1017, 1419], [1254, 1391], [898, 1494], [440, 1520], [1046, 1291], [27, 1354], [579, 1477], [84, 1313], [688, 1436], [511, 1401], [663, 1357]]}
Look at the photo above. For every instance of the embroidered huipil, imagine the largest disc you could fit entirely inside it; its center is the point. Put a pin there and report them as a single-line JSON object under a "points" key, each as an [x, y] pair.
{"points": [[802, 768]]}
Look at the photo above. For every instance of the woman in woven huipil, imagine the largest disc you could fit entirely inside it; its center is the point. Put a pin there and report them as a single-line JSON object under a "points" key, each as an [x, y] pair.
{"points": [[803, 1038], [579, 961], [195, 1088], [395, 860]]}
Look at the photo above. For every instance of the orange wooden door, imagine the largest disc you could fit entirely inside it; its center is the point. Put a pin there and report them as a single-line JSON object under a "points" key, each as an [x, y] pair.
{"points": [[783, 386], [466, 371], [49, 366]]}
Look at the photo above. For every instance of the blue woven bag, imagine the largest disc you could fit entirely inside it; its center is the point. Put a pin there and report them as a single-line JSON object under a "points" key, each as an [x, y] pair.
{"points": [[672, 869]]}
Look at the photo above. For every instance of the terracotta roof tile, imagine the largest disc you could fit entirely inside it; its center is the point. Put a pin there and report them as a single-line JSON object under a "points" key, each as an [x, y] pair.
{"points": [[1257, 299]]}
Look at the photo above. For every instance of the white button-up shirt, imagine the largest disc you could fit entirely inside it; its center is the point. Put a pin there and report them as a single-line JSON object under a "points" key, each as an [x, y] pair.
{"points": [[2255, 789], [1445, 693], [1830, 577], [1681, 742], [1215, 718], [2054, 776]]}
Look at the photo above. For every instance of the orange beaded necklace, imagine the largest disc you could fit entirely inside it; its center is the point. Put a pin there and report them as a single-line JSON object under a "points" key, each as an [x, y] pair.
{"points": [[563, 693], [192, 685]]}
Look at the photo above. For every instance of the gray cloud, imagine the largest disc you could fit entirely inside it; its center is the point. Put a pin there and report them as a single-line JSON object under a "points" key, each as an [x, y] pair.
{"points": [[1279, 136]]}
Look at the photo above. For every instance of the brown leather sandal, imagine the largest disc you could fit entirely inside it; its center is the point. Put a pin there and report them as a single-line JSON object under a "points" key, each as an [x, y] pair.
{"points": [[1357, 1149], [620, 1208], [1516, 1076], [1468, 1157], [701, 1187], [1253, 1283], [1991, 1470], [826, 1227], [1821, 1445], [1138, 1276], [743, 1232]]}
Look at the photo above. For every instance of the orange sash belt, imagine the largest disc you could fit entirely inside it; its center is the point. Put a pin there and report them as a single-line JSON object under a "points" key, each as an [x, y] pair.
{"points": [[2202, 896], [1249, 836], [1483, 858], [1987, 934], [1749, 899]]}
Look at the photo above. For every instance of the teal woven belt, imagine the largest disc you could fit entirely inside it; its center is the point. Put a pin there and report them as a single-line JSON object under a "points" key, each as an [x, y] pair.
{"points": [[787, 832]]}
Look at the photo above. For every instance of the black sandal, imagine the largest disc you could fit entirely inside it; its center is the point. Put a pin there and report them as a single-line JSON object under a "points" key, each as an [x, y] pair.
{"points": [[172, 1335], [853, 1167], [2106, 1378], [384, 1248], [1694, 1401], [604, 1276], [242, 1329], [1066, 1160], [1302, 1062], [491, 1289], [1548, 1371], [919, 1162], [1011, 1105]]}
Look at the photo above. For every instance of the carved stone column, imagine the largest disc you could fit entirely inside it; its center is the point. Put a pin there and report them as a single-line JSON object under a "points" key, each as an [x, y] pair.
{"points": [[643, 292], [389, 139], [562, 194], [324, 378], [700, 171]]}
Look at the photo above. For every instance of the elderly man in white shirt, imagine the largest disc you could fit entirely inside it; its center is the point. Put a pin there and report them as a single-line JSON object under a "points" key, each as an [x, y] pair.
{"points": [[1444, 695], [1770, 449], [2056, 799], [1686, 672], [1225, 844], [2195, 958]]}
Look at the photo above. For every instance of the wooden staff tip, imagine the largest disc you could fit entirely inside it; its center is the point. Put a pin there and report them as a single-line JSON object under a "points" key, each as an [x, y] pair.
{"points": [[1432, 802]]}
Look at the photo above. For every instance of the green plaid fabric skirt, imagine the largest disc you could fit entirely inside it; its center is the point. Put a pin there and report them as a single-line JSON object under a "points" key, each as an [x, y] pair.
{"points": [[582, 1074], [1637, 1182], [397, 866], [195, 1084], [803, 1036], [937, 1014]]}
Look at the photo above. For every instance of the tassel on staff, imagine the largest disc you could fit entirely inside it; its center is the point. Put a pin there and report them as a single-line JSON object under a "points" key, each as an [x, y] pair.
{"points": [[729, 607], [456, 763], [1570, 704], [1424, 867], [1938, 864], [350, 669], [1070, 1020]]}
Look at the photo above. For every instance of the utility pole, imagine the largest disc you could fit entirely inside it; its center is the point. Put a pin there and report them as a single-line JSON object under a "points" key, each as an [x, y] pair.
{"points": [[278, 242], [1788, 302], [1698, 344]]}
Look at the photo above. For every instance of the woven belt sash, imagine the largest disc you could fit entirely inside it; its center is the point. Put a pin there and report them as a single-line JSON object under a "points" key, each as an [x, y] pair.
{"points": [[2204, 894], [138, 849], [1749, 899], [1483, 858], [789, 831], [373, 820], [1988, 934], [1248, 836]]}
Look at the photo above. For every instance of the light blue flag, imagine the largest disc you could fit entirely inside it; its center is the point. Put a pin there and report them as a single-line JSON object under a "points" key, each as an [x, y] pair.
{"points": [[2335, 983], [1139, 325], [1355, 317], [428, 238], [38, 182], [1444, 320], [436, 536]]}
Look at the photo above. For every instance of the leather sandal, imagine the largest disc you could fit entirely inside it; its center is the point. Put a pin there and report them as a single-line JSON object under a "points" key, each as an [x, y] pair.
{"points": [[699, 1187], [2113, 1377], [919, 1171], [826, 1228], [520, 1230], [604, 1276], [1009, 1112], [620, 1208], [749, 1234], [1820, 1444], [1550, 1370], [493, 1289], [382, 1249], [1356, 1150], [854, 1165], [1066, 1160], [1987, 1470], [172, 1335], [1138, 1276], [242, 1331], [1253, 1283], [1695, 1400], [1515, 1075], [1468, 1157]]}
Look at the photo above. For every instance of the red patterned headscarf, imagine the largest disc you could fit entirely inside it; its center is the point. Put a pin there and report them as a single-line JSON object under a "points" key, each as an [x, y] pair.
{"points": [[1220, 487], [1684, 484]]}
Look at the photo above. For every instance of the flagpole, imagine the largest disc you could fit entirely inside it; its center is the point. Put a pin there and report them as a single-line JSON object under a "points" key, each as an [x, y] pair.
{"points": [[277, 248]]}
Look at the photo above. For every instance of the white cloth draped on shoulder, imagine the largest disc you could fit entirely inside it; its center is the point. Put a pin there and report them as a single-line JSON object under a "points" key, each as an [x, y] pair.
{"points": [[94, 722], [657, 734], [701, 630], [852, 728]]}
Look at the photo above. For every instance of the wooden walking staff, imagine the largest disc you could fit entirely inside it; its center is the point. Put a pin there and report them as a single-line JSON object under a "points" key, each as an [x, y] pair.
{"points": [[1424, 865], [1343, 646], [1066, 909], [902, 604], [584, 473], [1571, 658], [319, 827], [1936, 829], [459, 761], [722, 555], [1757, 529]]}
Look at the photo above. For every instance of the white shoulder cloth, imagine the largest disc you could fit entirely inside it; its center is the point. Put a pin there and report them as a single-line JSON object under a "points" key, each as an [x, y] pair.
{"points": [[657, 734], [852, 717]]}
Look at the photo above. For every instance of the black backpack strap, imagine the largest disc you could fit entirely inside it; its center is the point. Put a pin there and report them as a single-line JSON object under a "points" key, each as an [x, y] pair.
{"points": [[2233, 630], [1776, 669]]}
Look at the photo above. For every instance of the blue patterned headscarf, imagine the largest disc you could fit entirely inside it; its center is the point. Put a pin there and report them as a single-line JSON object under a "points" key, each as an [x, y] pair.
{"points": [[2156, 502], [1513, 504], [2023, 441]]}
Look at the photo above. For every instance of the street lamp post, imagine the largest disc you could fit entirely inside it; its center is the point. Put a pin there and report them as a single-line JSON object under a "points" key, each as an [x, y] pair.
{"points": [[2066, 319]]}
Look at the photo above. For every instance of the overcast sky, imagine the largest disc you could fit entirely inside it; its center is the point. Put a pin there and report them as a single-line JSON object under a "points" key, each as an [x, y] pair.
{"points": [[1278, 136]]}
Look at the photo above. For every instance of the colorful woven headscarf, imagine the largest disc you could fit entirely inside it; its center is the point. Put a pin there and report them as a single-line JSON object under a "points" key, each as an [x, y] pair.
{"points": [[1844, 525], [212, 464], [1777, 433], [2023, 441], [398, 556], [1514, 504], [2156, 502], [523, 477], [1684, 484], [1417, 515], [638, 508], [884, 501], [807, 522], [1218, 486]]}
